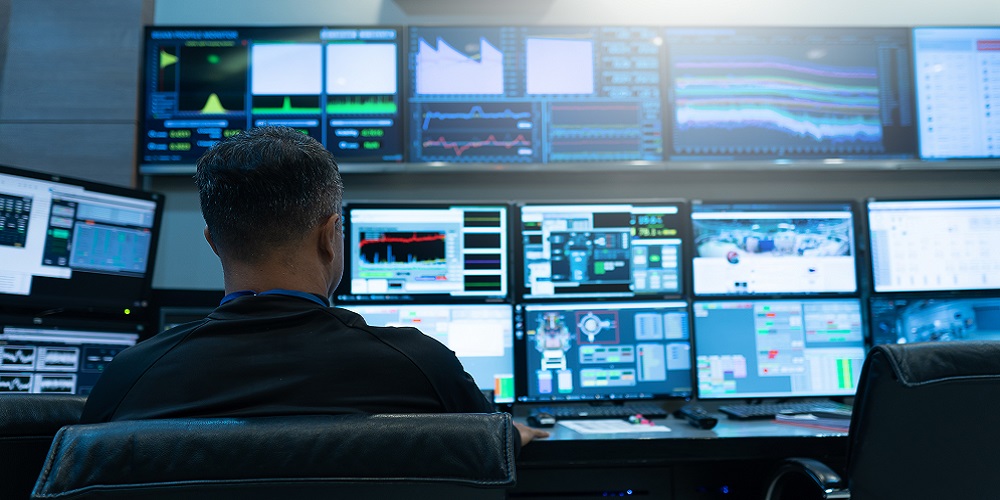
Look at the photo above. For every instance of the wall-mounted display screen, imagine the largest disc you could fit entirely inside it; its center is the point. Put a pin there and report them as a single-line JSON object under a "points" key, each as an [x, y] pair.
{"points": [[507, 94], [934, 245], [203, 84], [602, 250], [958, 91], [424, 251], [604, 351], [934, 319], [773, 248], [790, 93], [778, 348]]}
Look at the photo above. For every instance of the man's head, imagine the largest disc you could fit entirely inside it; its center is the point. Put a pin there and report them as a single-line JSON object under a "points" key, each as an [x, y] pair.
{"points": [[265, 190]]}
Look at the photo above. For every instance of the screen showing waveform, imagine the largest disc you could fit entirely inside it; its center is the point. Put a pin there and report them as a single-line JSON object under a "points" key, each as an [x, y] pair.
{"points": [[17, 357], [788, 93], [441, 69], [482, 132], [393, 248], [15, 382], [212, 80]]}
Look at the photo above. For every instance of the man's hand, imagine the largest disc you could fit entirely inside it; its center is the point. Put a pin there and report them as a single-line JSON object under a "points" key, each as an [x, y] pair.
{"points": [[529, 434]]}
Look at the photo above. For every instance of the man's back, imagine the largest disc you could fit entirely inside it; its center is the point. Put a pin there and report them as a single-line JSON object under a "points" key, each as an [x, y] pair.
{"points": [[280, 355]]}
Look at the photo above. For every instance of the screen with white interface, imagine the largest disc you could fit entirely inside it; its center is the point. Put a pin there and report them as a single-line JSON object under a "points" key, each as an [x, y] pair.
{"points": [[934, 245], [605, 351], [778, 348], [906, 320], [396, 252], [50, 361], [958, 91], [481, 335], [602, 250], [772, 248]]}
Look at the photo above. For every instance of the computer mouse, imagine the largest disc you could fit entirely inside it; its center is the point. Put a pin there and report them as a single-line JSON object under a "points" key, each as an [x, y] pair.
{"points": [[541, 419]]}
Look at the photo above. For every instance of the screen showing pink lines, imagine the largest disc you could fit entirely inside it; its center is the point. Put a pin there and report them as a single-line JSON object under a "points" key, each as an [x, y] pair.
{"points": [[535, 94]]}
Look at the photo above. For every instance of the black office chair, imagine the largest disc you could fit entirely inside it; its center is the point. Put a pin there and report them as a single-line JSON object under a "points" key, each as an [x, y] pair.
{"points": [[27, 424], [468, 456], [926, 424]]}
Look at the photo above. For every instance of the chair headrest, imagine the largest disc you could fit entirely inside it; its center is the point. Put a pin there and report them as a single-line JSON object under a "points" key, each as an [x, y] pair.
{"points": [[930, 362]]}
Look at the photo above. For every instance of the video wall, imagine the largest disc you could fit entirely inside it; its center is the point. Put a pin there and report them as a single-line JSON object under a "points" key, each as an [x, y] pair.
{"points": [[636, 95]]}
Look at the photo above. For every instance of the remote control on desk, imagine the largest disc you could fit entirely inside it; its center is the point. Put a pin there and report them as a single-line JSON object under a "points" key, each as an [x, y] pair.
{"points": [[697, 417]]}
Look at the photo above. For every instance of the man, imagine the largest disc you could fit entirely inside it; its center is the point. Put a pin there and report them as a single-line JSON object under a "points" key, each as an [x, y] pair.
{"points": [[271, 199]]}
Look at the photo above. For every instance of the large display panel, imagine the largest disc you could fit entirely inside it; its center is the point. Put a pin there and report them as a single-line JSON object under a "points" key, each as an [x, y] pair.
{"points": [[904, 320], [420, 251], [340, 85], [602, 250], [934, 245], [773, 248], [481, 335], [45, 360], [778, 348], [790, 93], [507, 94], [601, 351], [958, 91], [71, 245]]}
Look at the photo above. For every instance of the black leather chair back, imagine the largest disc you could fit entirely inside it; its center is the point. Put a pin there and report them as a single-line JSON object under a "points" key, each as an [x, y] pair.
{"points": [[27, 424], [298, 457], [925, 422]]}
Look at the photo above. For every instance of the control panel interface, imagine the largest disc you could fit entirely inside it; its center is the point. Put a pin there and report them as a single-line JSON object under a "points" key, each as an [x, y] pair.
{"points": [[535, 94], [605, 351], [397, 251], [481, 335], [337, 85], [778, 348], [934, 245], [907, 320], [44, 361], [958, 91], [745, 249], [606, 250]]}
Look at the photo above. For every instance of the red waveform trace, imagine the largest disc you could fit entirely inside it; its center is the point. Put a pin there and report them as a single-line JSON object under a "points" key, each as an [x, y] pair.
{"points": [[400, 239], [460, 148]]}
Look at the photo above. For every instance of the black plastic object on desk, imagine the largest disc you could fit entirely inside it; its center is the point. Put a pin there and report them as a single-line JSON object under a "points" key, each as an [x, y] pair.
{"points": [[697, 417]]}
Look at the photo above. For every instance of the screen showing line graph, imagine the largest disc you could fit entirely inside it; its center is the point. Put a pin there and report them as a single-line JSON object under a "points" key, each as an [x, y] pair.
{"points": [[338, 85], [776, 93], [535, 94], [410, 251]]}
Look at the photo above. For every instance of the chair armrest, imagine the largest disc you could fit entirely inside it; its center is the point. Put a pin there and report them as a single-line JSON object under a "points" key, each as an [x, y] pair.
{"points": [[826, 483]]}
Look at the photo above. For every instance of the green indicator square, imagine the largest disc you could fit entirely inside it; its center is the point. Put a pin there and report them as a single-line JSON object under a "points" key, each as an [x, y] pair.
{"points": [[598, 268]]}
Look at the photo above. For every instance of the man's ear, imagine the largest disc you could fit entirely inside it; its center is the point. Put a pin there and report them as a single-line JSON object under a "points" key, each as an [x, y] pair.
{"points": [[330, 236], [208, 238]]}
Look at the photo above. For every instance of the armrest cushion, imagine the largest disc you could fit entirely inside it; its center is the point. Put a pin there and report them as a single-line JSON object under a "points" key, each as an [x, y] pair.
{"points": [[825, 480]]}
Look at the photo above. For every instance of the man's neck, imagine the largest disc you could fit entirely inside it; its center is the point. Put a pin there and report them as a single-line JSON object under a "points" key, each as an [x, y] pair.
{"points": [[260, 277]]}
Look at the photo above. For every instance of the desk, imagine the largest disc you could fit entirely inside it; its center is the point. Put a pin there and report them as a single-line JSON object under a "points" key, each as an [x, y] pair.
{"points": [[731, 461]]}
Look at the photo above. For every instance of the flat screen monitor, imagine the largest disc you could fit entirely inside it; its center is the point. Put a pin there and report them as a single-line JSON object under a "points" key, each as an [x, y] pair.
{"points": [[601, 351], [958, 91], [426, 252], [481, 335], [73, 245], [45, 360], [934, 245], [608, 250], [773, 248], [340, 85], [535, 94], [904, 320], [778, 348], [790, 93]]}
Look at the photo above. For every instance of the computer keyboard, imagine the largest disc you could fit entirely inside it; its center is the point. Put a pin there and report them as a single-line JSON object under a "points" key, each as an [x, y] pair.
{"points": [[766, 411], [610, 411]]}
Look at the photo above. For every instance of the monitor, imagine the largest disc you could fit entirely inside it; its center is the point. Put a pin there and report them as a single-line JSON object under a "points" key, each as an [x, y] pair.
{"points": [[46, 360], [481, 335], [773, 248], [425, 251], [778, 348], [601, 351], [934, 245], [535, 94], [904, 320], [339, 85], [608, 250], [958, 91], [790, 93], [73, 245]]}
